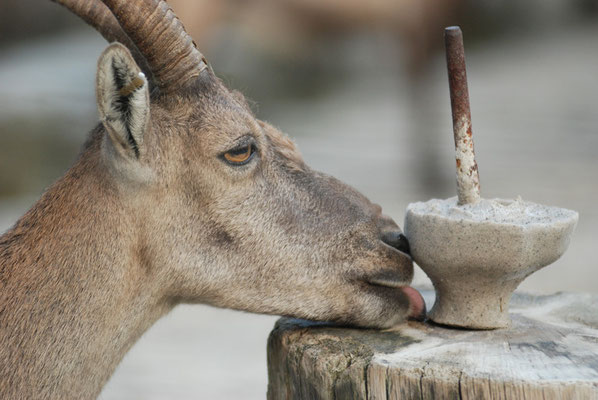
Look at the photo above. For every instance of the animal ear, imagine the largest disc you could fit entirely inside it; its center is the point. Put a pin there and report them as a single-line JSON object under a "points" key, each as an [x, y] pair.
{"points": [[123, 99]]}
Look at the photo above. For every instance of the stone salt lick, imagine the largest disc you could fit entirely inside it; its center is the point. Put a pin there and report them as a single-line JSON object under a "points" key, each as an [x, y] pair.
{"points": [[477, 251]]}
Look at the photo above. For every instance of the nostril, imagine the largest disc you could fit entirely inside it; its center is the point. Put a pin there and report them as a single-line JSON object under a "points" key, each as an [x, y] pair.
{"points": [[397, 240], [404, 244]]}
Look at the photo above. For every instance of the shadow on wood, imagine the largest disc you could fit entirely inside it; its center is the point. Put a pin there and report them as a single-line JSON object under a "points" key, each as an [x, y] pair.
{"points": [[550, 352]]}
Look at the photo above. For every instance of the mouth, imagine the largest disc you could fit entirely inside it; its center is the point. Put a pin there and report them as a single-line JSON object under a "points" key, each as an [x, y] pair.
{"points": [[417, 305], [386, 279], [390, 277]]}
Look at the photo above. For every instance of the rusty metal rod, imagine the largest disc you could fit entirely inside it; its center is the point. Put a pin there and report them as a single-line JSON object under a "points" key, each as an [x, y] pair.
{"points": [[468, 180]]}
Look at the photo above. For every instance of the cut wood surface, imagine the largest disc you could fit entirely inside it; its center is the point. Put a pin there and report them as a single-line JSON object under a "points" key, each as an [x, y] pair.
{"points": [[549, 352]]}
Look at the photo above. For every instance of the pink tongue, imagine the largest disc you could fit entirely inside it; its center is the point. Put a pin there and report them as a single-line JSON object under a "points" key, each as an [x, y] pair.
{"points": [[417, 306]]}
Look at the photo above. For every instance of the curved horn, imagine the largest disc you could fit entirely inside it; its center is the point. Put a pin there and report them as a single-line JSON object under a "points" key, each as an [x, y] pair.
{"points": [[160, 36], [98, 16]]}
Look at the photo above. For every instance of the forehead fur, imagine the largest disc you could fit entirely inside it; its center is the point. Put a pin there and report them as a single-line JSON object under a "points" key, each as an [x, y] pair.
{"points": [[284, 146], [209, 104]]}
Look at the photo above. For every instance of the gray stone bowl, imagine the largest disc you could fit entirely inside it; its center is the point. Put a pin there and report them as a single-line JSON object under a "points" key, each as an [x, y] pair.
{"points": [[477, 254]]}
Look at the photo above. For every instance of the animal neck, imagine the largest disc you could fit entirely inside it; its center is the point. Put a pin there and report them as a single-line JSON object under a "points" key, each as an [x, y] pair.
{"points": [[74, 293]]}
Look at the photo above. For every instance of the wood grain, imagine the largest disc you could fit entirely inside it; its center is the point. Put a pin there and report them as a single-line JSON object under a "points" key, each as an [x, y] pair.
{"points": [[550, 352]]}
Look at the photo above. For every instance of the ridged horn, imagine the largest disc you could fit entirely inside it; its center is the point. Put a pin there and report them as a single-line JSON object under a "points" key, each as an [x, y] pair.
{"points": [[160, 36], [98, 15]]}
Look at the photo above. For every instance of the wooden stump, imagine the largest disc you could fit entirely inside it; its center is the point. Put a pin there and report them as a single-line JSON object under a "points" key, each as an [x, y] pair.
{"points": [[550, 352]]}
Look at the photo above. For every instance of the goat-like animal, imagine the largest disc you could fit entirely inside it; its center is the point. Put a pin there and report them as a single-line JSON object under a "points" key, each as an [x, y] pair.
{"points": [[180, 195]]}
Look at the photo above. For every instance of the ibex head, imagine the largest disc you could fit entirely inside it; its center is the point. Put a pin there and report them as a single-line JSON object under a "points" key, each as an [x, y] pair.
{"points": [[226, 212]]}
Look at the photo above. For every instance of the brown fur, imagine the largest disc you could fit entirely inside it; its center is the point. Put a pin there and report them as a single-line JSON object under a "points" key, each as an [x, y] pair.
{"points": [[122, 238]]}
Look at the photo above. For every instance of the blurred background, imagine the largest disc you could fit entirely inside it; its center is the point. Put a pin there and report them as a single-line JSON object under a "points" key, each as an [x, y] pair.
{"points": [[362, 88]]}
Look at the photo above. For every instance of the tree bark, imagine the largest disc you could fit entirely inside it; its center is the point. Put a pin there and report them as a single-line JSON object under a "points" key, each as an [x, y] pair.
{"points": [[549, 352]]}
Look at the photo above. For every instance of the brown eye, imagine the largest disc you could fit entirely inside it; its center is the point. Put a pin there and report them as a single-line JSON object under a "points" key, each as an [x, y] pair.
{"points": [[240, 156]]}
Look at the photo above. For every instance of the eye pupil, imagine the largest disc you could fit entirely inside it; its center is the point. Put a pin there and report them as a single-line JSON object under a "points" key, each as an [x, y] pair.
{"points": [[240, 152], [240, 155]]}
